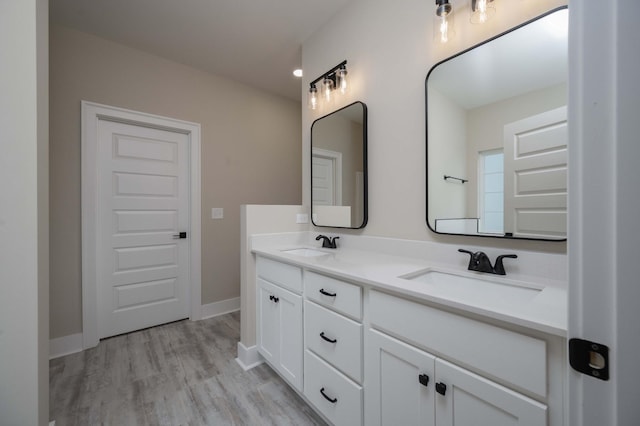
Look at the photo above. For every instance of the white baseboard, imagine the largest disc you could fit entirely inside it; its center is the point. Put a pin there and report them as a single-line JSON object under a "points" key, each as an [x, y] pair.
{"points": [[65, 345], [248, 357], [220, 308]]}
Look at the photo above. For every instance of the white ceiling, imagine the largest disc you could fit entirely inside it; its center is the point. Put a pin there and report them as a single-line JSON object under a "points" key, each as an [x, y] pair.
{"points": [[530, 58], [256, 42]]}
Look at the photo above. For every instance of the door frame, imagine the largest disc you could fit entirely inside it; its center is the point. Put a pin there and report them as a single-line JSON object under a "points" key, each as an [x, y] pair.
{"points": [[91, 114]]}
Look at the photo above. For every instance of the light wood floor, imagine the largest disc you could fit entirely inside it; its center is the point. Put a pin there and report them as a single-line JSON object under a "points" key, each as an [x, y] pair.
{"points": [[183, 373]]}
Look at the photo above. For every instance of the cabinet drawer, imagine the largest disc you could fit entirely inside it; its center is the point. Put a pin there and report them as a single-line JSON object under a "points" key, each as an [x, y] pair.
{"points": [[333, 394], [512, 357], [346, 352], [287, 276], [335, 294]]}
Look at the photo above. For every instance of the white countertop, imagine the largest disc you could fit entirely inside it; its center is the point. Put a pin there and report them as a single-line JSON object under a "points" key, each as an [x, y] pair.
{"points": [[545, 311]]}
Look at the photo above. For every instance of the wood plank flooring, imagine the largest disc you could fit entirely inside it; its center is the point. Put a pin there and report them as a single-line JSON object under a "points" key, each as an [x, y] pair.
{"points": [[183, 373]]}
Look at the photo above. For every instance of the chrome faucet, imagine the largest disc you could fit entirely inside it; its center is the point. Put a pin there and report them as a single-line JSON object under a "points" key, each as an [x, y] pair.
{"points": [[328, 242], [480, 262]]}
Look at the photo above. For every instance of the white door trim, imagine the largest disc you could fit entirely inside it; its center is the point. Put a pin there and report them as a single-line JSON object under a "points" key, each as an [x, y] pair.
{"points": [[91, 114]]}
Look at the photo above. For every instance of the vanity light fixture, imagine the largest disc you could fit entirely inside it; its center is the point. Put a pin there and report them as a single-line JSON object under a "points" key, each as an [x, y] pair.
{"points": [[444, 21], [335, 78], [481, 11]]}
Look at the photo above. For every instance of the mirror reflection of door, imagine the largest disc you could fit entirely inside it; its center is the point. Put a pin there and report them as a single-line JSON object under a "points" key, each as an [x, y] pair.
{"points": [[535, 175], [326, 188], [326, 178]]}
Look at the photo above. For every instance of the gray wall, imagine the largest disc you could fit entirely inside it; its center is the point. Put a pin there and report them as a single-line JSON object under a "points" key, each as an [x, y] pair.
{"points": [[250, 153]]}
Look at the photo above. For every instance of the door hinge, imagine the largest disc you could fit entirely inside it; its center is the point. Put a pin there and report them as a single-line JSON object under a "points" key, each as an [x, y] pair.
{"points": [[589, 358]]}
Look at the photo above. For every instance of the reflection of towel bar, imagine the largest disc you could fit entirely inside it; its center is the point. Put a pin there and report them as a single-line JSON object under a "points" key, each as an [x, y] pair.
{"points": [[451, 177]]}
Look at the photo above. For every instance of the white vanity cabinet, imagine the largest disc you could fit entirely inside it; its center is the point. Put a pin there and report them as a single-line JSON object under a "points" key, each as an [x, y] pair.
{"points": [[360, 355], [279, 325], [408, 385]]}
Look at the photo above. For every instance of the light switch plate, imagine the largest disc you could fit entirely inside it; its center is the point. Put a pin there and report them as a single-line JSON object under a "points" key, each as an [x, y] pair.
{"points": [[217, 213], [302, 218]]}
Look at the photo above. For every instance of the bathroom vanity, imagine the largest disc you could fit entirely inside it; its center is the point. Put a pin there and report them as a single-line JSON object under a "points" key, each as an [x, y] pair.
{"points": [[367, 337]]}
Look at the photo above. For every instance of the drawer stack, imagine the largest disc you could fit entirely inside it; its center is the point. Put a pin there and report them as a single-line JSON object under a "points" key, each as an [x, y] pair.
{"points": [[333, 348]]}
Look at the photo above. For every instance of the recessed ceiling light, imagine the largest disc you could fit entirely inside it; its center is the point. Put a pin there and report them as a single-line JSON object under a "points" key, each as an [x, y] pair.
{"points": [[298, 72]]}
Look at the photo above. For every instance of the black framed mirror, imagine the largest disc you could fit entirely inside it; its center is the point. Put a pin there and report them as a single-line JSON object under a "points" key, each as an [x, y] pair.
{"points": [[339, 168], [497, 135]]}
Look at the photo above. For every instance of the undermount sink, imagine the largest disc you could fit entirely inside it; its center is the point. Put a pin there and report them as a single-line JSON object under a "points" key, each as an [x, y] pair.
{"points": [[480, 287], [305, 252]]}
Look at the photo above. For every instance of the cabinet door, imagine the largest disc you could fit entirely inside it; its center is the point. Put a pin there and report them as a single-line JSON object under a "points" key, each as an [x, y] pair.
{"points": [[472, 400], [268, 330], [290, 361], [394, 394]]}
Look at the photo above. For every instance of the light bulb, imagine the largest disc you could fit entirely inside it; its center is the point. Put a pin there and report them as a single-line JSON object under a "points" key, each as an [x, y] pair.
{"points": [[341, 80], [327, 87], [443, 28], [481, 11], [313, 97]]}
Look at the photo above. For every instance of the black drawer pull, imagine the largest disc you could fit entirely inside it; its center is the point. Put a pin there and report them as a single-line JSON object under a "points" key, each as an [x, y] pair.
{"points": [[327, 339], [331, 400], [323, 291], [274, 298], [441, 388]]}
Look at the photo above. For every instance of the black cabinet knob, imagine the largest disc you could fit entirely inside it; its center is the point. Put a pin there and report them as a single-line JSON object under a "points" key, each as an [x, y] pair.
{"points": [[423, 379], [441, 388]]}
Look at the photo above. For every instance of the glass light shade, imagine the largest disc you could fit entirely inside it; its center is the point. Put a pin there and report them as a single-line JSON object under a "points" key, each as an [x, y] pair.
{"points": [[341, 80], [313, 98], [327, 88], [481, 11], [443, 26]]}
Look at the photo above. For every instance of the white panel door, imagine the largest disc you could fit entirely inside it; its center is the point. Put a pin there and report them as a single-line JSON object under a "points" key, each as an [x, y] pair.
{"points": [[535, 175], [394, 393], [472, 400], [143, 202], [322, 181]]}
